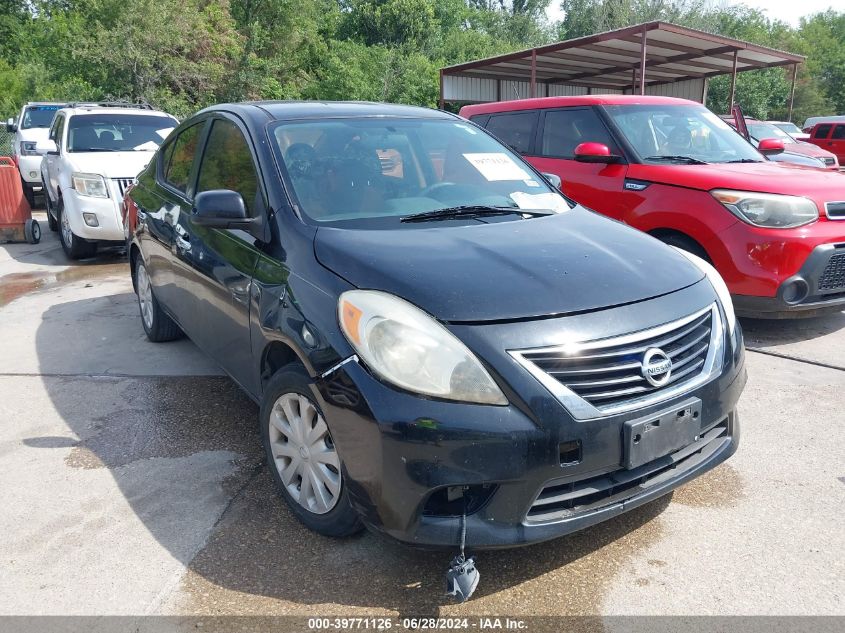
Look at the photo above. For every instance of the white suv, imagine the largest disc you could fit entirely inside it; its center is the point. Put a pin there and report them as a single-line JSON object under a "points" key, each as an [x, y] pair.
{"points": [[30, 127], [93, 153]]}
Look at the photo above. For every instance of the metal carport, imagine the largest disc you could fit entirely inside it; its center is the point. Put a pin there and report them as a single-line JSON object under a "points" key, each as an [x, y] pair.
{"points": [[652, 58]]}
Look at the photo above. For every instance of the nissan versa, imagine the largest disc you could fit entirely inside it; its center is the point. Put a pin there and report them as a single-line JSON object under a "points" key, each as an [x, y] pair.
{"points": [[431, 329]]}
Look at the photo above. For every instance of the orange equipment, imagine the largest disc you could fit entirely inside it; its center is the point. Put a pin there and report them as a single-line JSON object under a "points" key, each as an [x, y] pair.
{"points": [[16, 223]]}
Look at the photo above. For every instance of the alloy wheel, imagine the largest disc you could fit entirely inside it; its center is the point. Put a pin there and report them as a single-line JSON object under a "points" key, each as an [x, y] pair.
{"points": [[145, 296], [304, 454], [67, 234]]}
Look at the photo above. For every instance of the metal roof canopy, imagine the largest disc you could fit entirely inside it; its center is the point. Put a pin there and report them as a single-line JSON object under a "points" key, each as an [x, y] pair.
{"points": [[627, 60]]}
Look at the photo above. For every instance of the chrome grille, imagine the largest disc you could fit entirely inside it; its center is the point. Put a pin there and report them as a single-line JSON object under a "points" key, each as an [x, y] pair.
{"points": [[833, 275], [829, 161], [602, 377], [835, 210], [122, 184]]}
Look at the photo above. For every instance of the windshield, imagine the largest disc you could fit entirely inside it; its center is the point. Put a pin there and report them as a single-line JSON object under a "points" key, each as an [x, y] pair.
{"points": [[374, 171], [38, 116], [758, 131], [789, 128], [674, 131], [117, 132]]}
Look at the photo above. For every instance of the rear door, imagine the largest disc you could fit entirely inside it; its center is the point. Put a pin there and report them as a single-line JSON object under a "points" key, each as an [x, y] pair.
{"points": [[215, 266], [597, 186], [51, 161]]}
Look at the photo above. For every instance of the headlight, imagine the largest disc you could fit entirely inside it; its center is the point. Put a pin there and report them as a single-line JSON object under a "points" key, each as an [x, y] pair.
{"points": [[768, 210], [409, 349], [28, 148], [719, 286], [92, 185]]}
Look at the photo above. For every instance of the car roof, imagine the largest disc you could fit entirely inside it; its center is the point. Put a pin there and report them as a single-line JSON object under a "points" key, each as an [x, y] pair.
{"points": [[262, 111], [93, 109], [559, 102]]}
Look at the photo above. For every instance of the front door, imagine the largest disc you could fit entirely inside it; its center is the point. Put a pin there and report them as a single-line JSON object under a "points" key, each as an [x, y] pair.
{"points": [[214, 267], [596, 186]]}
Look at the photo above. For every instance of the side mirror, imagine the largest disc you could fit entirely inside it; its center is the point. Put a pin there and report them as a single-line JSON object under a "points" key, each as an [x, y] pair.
{"points": [[554, 180], [225, 209], [770, 146], [11, 126], [42, 148], [594, 153]]}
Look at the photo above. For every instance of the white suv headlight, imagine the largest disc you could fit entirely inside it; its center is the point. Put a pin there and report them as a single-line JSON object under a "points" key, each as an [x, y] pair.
{"points": [[718, 284], [768, 210], [28, 148], [93, 185], [410, 349]]}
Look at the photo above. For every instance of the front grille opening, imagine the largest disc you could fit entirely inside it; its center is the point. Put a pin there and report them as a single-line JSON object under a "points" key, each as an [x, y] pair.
{"points": [[833, 276], [612, 375], [451, 500], [558, 501], [570, 453]]}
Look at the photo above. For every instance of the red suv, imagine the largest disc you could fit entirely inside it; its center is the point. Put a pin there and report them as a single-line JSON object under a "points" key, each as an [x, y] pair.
{"points": [[672, 168], [830, 136]]}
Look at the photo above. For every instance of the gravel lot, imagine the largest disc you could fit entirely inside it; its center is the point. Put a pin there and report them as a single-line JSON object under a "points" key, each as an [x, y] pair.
{"points": [[134, 484]]}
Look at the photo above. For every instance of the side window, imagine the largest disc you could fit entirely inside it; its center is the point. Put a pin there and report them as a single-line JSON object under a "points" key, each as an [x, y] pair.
{"points": [[179, 157], [564, 130], [517, 130], [480, 119], [838, 132], [822, 131], [56, 130], [227, 163]]}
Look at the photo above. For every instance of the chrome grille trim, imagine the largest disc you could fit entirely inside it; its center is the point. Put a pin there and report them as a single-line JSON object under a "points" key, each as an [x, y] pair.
{"points": [[122, 185], [686, 378], [835, 214]]}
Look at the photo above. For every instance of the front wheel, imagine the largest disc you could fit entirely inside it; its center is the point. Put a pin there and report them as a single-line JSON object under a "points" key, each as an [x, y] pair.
{"points": [[74, 247], [302, 456], [158, 326]]}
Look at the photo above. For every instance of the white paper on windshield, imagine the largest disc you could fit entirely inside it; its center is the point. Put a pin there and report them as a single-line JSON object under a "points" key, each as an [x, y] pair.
{"points": [[551, 201], [466, 128], [149, 146], [497, 166], [164, 132]]}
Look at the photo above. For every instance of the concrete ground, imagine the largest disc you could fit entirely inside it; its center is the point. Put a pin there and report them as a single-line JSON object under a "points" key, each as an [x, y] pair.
{"points": [[133, 484]]}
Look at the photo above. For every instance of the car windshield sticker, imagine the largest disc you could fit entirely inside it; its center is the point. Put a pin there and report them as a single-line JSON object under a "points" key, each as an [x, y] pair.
{"points": [[552, 201], [532, 183], [466, 128], [497, 166], [164, 132], [149, 146]]}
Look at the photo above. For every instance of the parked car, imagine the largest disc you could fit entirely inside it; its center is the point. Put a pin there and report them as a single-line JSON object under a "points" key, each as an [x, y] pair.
{"points": [[435, 335], [790, 128], [831, 137], [788, 150], [810, 123], [30, 127], [92, 154], [673, 169]]}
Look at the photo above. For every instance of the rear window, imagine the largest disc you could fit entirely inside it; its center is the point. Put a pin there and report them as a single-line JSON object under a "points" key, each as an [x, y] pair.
{"points": [[822, 131]]}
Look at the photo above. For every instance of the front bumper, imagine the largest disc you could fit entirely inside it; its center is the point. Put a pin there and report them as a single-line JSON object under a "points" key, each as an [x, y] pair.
{"points": [[818, 287], [30, 168], [106, 210], [404, 455]]}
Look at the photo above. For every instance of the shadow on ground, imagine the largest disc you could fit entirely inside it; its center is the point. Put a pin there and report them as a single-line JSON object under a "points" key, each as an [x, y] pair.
{"points": [[775, 332]]}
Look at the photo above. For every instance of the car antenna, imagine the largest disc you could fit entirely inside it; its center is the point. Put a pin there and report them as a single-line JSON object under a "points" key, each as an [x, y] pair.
{"points": [[462, 576]]}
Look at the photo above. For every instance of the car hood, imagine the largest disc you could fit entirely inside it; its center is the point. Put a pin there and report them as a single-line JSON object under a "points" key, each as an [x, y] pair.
{"points": [[808, 149], [34, 134], [573, 262], [769, 177], [110, 164]]}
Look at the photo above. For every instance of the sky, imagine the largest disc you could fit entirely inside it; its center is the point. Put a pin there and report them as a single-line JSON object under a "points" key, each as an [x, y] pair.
{"points": [[785, 10]]}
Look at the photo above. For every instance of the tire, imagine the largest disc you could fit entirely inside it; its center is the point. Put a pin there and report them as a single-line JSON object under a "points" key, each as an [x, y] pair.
{"points": [[29, 194], [158, 326], [52, 224], [32, 231], [73, 246], [321, 509], [684, 243]]}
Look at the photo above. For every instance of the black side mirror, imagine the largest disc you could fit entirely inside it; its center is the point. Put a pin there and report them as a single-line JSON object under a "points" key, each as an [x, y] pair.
{"points": [[225, 209], [11, 126]]}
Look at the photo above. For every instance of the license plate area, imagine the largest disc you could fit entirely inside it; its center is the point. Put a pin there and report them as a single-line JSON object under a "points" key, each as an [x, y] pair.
{"points": [[647, 438]]}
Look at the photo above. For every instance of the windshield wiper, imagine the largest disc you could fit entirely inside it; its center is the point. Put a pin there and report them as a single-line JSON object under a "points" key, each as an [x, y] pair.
{"points": [[677, 158], [470, 211], [743, 160]]}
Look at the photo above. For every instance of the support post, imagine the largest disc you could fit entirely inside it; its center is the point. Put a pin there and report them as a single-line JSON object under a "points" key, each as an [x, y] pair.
{"points": [[442, 102], [532, 91], [634, 80], [792, 91], [643, 46], [733, 85]]}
